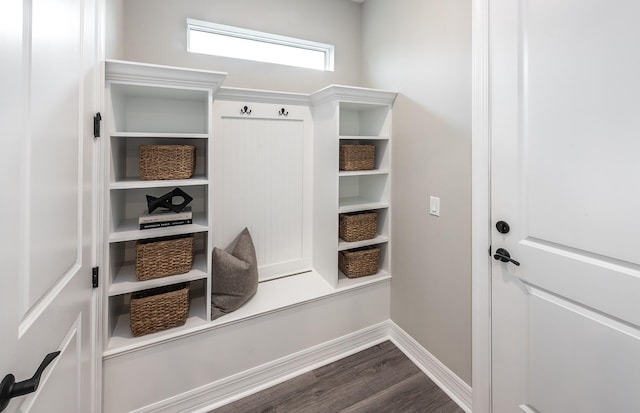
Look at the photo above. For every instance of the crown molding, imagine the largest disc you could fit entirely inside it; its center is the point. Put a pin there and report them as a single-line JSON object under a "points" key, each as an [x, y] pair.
{"points": [[262, 96], [144, 73], [352, 94]]}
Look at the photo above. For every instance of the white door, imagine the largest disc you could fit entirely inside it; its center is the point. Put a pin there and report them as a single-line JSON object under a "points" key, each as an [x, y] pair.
{"points": [[565, 130], [47, 96]]}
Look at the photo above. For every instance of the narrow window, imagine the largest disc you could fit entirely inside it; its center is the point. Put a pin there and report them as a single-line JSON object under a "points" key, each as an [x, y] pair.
{"points": [[227, 41]]}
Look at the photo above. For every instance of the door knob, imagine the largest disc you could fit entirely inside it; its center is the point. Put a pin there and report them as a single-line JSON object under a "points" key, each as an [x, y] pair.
{"points": [[502, 227], [10, 389], [504, 256]]}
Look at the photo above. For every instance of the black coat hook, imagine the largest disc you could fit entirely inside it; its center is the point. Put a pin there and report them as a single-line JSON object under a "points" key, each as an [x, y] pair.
{"points": [[245, 111], [282, 112]]}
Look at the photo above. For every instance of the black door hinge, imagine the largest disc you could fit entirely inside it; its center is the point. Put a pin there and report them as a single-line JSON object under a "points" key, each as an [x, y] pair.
{"points": [[96, 125], [94, 277]]}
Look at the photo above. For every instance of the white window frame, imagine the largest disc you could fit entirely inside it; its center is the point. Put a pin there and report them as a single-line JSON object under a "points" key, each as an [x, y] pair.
{"points": [[208, 27]]}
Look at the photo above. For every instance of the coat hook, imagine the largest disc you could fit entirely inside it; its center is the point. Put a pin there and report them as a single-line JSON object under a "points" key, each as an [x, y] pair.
{"points": [[282, 112], [245, 111]]}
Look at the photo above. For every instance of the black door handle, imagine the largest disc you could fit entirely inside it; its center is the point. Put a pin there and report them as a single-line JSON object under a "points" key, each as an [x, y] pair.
{"points": [[10, 389], [504, 256]]}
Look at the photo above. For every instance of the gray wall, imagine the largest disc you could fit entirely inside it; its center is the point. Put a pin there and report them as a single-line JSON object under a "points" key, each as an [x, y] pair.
{"points": [[114, 31], [422, 49], [155, 32]]}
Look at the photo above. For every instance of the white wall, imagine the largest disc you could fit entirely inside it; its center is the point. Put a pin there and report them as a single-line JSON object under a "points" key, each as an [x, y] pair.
{"points": [[422, 49], [155, 32]]}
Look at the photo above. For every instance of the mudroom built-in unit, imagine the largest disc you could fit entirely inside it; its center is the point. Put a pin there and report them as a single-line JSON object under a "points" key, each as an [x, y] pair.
{"points": [[307, 174]]}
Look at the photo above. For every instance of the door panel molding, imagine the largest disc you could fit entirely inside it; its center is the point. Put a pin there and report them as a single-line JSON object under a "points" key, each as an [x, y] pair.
{"points": [[580, 359], [574, 85], [69, 348], [52, 218], [36, 312], [585, 312], [587, 257]]}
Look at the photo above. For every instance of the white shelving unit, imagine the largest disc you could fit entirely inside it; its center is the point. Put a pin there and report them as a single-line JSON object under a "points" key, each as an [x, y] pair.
{"points": [[350, 115], [149, 104]]}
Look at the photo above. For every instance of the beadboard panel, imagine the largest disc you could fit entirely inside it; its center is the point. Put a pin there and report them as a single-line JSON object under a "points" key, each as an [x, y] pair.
{"points": [[259, 174]]}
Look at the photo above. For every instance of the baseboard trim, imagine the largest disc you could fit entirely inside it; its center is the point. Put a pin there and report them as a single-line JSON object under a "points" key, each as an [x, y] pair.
{"points": [[447, 380], [235, 387]]}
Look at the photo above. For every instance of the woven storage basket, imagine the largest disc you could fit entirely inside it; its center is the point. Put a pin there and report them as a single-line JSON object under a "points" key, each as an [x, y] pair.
{"points": [[357, 157], [159, 308], [167, 161], [357, 226], [160, 257], [359, 262]]}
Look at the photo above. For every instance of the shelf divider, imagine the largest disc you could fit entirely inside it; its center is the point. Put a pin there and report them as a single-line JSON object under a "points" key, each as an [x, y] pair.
{"points": [[126, 281], [344, 245], [136, 183], [163, 135]]}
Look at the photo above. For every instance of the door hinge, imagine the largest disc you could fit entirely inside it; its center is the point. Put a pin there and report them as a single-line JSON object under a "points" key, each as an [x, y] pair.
{"points": [[96, 125], [489, 250], [94, 277]]}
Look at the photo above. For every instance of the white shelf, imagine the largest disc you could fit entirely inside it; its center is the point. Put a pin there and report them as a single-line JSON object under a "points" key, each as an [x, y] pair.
{"points": [[355, 204], [364, 138], [365, 172], [345, 282], [132, 183], [159, 135], [344, 245], [126, 281], [122, 340], [129, 230]]}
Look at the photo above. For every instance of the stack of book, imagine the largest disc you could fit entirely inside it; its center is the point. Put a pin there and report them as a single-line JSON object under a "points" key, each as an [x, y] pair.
{"points": [[165, 218]]}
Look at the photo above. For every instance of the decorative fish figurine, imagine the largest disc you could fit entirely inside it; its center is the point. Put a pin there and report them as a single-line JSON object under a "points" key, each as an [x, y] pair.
{"points": [[166, 201]]}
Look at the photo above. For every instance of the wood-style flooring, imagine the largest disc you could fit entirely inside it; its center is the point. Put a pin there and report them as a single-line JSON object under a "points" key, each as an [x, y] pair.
{"points": [[379, 379]]}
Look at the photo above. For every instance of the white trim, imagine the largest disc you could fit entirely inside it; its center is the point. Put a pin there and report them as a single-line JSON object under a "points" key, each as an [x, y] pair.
{"points": [[144, 73], [251, 381], [352, 94], [481, 212], [447, 380], [246, 383], [97, 316], [262, 96]]}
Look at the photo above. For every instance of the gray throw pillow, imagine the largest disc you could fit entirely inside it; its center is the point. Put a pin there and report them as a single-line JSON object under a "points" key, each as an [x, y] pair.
{"points": [[235, 276]]}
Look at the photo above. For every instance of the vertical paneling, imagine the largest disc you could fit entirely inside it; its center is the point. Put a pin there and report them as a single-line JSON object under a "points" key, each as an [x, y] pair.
{"points": [[260, 185]]}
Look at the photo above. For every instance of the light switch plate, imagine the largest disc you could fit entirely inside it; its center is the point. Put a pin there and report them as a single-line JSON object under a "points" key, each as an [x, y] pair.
{"points": [[434, 206]]}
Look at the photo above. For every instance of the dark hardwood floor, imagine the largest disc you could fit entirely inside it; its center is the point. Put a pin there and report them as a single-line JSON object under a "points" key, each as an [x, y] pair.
{"points": [[378, 379]]}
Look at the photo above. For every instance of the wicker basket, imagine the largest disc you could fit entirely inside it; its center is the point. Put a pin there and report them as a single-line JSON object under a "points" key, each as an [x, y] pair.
{"points": [[160, 257], [159, 308], [359, 262], [357, 226], [167, 161], [357, 157]]}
